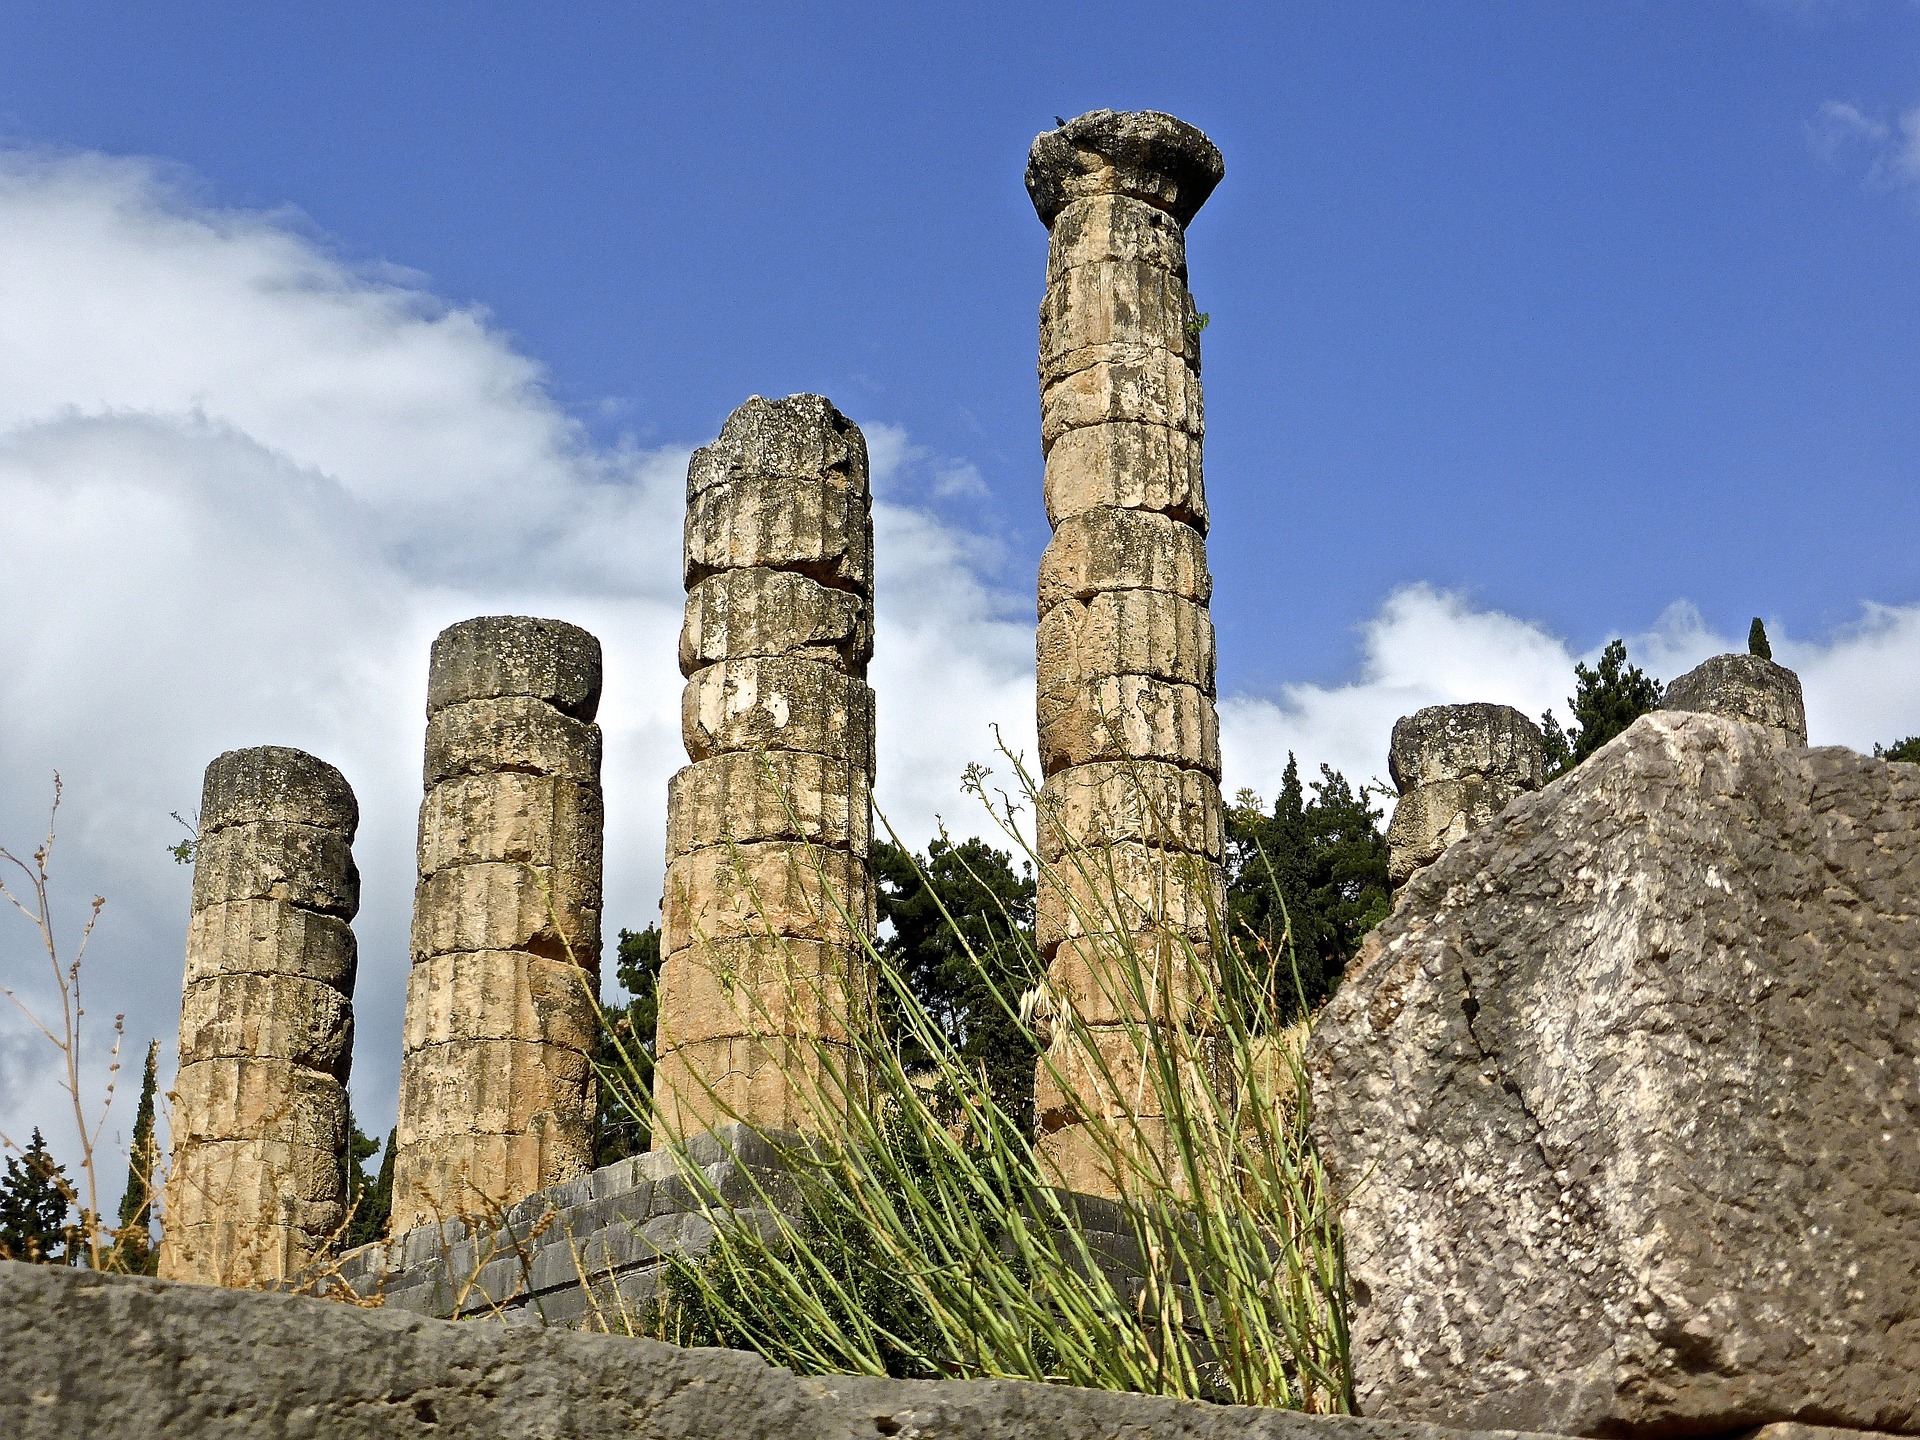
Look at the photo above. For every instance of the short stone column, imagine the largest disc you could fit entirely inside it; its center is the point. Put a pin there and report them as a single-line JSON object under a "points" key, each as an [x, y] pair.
{"points": [[1131, 824], [1744, 688], [769, 900], [496, 1080], [1457, 766], [259, 1120]]}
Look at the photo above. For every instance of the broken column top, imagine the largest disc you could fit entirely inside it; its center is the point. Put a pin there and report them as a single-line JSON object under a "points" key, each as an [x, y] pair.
{"points": [[276, 783], [492, 656], [1450, 742], [1141, 154], [1743, 687], [802, 435]]}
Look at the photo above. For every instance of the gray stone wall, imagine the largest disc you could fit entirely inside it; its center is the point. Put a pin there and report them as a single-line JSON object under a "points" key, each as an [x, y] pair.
{"points": [[587, 1250], [112, 1357]]}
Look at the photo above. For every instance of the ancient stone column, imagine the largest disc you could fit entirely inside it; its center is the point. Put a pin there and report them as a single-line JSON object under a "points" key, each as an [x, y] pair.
{"points": [[1457, 766], [1131, 823], [1744, 688], [768, 894], [496, 1081], [259, 1116]]}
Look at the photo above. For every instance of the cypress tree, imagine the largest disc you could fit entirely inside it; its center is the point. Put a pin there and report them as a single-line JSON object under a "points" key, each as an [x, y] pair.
{"points": [[1757, 640], [627, 1031], [374, 1198], [133, 1251]]}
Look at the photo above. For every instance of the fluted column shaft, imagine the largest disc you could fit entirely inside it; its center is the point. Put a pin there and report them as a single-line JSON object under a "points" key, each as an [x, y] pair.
{"points": [[259, 1117], [1131, 824], [768, 893], [496, 1080]]}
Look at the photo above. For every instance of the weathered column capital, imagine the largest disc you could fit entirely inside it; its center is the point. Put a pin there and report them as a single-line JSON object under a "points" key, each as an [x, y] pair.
{"points": [[1141, 154]]}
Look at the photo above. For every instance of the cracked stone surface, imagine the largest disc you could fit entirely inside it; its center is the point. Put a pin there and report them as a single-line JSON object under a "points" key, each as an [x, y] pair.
{"points": [[259, 1118], [768, 894], [1129, 739], [1744, 687], [496, 1082], [1625, 1091]]}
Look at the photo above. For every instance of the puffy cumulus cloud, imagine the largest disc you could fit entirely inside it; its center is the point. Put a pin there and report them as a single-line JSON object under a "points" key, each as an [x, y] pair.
{"points": [[242, 485], [1433, 647]]}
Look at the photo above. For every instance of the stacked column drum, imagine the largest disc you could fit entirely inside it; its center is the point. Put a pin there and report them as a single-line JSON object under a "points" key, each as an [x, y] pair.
{"points": [[259, 1122], [768, 893], [1131, 824], [496, 1079]]}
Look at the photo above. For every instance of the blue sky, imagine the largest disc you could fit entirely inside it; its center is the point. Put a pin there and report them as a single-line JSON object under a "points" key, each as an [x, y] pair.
{"points": [[1571, 306], [1532, 325]]}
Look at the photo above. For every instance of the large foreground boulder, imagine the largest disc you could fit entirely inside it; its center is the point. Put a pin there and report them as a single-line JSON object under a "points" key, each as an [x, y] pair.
{"points": [[1625, 1093]]}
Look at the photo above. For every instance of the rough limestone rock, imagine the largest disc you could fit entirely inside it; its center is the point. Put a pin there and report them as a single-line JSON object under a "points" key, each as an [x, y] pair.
{"points": [[1744, 687], [114, 1357], [259, 1117], [768, 895], [496, 1081], [1457, 766], [1626, 1092], [1130, 817]]}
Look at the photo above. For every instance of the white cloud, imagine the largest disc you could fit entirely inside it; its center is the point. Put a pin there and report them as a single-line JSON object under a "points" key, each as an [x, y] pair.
{"points": [[1889, 148], [1434, 647], [242, 485]]}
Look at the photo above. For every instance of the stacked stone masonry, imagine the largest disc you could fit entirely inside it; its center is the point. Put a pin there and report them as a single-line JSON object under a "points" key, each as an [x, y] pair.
{"points": [[1131, 824], [496, 1078], [768, 897], [266, 1026], [1456, 766]]}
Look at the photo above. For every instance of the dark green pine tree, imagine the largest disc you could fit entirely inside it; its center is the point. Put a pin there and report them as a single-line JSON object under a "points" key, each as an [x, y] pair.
{"points": [[1606, 699], [625, 1048], [988, 910], [1907, 750], [1757, 640], [35, 1200], [133, 1251], [1304, 885], [372, 1198]]}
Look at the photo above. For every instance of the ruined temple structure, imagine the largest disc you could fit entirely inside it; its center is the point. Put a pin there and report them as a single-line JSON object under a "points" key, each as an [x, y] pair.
{"points": [[1745, 688], [768, 894], [1131, 819], [259, 1121], [496, 1080], [1457, 766]]}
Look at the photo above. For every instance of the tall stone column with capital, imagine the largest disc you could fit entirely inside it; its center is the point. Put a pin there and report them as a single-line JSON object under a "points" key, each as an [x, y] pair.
{"points": [[1131, 823], [496, 1079], [769, 899], [257, 1183]]}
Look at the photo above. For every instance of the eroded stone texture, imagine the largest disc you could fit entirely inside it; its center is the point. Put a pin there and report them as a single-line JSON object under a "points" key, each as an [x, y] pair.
{"points": [[1746, 688], [1625, 1093], [1131, 821], [259, 1117], [1457, 767], [496, 1079], [768, 897]]}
